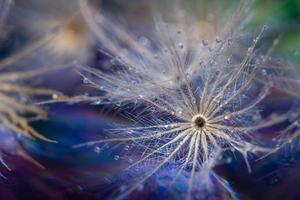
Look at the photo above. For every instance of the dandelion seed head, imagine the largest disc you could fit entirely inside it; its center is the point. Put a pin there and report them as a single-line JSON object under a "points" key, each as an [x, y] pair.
{"points": [[188, 112]]}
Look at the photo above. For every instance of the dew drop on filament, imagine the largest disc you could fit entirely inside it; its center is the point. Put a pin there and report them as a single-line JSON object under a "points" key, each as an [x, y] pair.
{"points": [[205, 42], [116, 157]]}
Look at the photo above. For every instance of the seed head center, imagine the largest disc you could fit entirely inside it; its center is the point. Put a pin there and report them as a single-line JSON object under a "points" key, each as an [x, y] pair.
{"points": [[198, 122]]}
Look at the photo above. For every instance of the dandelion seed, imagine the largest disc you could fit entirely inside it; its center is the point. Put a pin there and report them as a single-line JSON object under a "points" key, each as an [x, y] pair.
{"points": [[203, 125], [213, 115]]}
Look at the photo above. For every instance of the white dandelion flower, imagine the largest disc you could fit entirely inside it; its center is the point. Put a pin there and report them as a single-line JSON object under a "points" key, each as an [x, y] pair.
{"points": [[191, 122], [206, 108]]}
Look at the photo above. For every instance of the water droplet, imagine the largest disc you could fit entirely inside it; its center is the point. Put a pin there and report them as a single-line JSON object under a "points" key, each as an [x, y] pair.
{"points": [[204, 42], [228, 61], [180, 45], [116, 157], [226, 117], [85, 80], [179, 111], [257, 61], [126, 148], [265, 27], [218, 40], [264, 72], [97, 149], [144, 41], [98, 102], [54, 96]]}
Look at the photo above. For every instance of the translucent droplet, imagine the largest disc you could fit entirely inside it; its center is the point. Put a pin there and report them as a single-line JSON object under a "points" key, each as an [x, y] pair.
{"points": [[255, 40], [116, 157], [144, 41], [205, 42], [85, 81], [126, 148], [98, 102], [180, 45], [54, 96], [218, 40], [97, 149], [228, 61], [265, 27], [179, 111]]}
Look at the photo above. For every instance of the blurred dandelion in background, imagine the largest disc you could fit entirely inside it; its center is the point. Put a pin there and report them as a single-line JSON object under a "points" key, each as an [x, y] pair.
{"points": [[16, 93], [169, 99], [68, 36]]}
